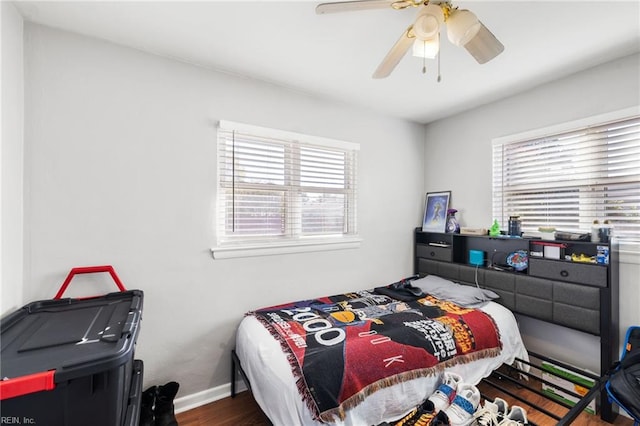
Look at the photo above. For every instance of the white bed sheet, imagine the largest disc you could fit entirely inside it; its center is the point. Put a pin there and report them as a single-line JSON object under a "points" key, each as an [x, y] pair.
{"points": [[274, 389]]}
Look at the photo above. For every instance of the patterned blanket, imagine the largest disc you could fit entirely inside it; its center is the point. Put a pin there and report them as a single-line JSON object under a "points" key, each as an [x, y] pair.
{"points": [[342, 348]]}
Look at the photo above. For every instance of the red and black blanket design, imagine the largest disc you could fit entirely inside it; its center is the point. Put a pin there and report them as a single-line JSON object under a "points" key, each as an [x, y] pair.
{"points": [[342, 348]]}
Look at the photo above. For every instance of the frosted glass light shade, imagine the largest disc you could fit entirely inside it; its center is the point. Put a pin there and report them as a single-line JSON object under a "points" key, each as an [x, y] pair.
{"points": [[462, 26], [484, 46], [426, 48], [428, 22]]}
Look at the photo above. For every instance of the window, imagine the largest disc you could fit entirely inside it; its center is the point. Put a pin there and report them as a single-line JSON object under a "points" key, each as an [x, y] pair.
{"points": [[278, 188], [569, 177]]}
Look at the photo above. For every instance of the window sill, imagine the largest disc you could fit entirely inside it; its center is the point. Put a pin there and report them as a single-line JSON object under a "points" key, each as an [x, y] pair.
{"points": [[232, 252]]}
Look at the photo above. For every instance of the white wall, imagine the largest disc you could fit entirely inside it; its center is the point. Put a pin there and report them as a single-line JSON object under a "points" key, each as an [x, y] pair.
{"points": [[11, 159], [120, 150], [465, 139]]}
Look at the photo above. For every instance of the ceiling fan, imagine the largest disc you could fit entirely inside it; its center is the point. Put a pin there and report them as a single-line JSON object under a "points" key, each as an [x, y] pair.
{"points": [[463, 29]]}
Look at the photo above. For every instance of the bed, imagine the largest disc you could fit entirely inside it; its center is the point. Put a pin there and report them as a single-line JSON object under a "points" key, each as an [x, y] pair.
{"points": [[292, 393]]}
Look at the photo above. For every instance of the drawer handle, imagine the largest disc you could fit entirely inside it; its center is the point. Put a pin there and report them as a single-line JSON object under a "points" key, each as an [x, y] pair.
{"points": [[433, 253], [564, 273]]}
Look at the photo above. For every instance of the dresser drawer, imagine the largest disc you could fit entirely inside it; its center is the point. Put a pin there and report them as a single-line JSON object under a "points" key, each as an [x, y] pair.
{"points": [[434, 252], [581, 273]]}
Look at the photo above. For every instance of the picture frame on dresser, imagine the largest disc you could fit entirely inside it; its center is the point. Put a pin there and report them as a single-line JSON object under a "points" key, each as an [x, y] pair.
{"points": [[435, 211]]}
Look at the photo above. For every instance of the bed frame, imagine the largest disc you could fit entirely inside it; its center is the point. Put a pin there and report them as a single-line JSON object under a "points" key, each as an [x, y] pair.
{"points": [[579, 296], [508, 377]]}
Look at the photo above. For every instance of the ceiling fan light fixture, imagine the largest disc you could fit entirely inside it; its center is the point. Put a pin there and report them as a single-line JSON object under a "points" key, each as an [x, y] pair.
{"points": [[484, 46], [462, 26], [423, 35], [428, 22], [426, 48]]}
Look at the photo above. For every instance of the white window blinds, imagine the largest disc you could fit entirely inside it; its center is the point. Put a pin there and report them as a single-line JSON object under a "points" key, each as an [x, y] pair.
{"points": [[276, 186], [569, 179]]}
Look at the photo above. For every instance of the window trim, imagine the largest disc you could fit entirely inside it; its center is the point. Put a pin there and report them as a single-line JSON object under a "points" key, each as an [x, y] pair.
{"points": [[299, 246], [237, 249], [567, 126], [278, 134]]}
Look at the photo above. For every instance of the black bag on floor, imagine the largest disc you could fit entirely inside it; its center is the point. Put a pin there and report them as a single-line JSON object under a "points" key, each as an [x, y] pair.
{"points": [[623, 386]]}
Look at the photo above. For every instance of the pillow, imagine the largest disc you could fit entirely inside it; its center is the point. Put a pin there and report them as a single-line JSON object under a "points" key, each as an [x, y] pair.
{"points": [[463, 295]]}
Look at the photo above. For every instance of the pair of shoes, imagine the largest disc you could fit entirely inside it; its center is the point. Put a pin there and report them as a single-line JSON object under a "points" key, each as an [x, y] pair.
{"points": [[443, 396], [492, 413], [456, 401], [497, 413], [463, 406], [156, 407], [517, 417]]}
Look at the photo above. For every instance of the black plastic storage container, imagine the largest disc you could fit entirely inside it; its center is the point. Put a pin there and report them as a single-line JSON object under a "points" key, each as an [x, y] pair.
{"points": [[70, 362]]}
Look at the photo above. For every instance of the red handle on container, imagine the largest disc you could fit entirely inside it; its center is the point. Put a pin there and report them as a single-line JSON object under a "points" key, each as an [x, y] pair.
{"points": [[24, 385], [89, 270]]}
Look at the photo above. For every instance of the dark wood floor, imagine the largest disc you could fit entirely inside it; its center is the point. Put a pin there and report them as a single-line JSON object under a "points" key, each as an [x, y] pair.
{"points": [[243, 410]]}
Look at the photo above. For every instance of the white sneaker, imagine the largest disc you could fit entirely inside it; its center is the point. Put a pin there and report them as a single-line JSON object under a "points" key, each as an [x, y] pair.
{"points": [[444, 394], [492, 413], [516, 417], [464, 405]]}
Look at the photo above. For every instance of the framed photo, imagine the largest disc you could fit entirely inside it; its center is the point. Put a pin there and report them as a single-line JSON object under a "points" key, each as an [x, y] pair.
{"points": [[435, 211]]}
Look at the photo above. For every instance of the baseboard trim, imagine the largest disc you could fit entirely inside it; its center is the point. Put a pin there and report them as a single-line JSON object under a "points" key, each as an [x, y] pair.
{"points": [[207, 396]]}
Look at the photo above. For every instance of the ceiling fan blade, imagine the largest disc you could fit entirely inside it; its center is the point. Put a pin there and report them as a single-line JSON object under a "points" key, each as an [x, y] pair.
{"points": [[346, 6], [484, 46], [395, 54]]}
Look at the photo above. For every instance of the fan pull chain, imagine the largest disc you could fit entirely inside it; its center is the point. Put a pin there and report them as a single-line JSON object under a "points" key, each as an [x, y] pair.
{"points": [[439, 76], [424, 65]]}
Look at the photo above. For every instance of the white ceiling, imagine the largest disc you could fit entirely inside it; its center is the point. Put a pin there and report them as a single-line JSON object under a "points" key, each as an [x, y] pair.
{"points": [[334, 55]]}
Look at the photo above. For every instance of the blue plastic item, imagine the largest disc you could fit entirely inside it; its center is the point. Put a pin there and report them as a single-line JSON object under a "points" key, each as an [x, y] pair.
{"points": [[476, 257]]}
